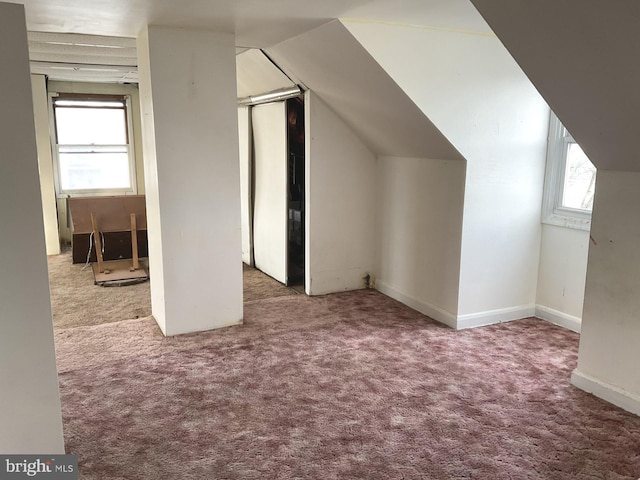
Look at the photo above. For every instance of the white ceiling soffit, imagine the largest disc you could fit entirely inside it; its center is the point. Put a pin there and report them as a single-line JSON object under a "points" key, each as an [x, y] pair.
{"points": [[331, 62], [83, 58], [585, 65], [453, 15], [258, 75]]}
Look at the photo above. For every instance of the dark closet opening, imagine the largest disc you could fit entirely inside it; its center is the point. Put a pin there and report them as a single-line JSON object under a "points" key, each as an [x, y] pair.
{"points": [[296, 183]]}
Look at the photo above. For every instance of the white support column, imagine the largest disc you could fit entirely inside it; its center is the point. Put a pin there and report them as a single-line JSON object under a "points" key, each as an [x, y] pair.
{"points": [[45, 163], [190, 134], [610, 337], [29, 400]]}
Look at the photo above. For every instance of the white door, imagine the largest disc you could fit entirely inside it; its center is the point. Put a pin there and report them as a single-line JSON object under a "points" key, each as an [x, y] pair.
{"points": [[245, 136], [269, 123]]}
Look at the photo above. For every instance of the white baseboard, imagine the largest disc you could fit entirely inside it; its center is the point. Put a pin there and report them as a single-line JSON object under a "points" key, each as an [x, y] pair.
{"points": [[620, 398], [427, 309], [559, 318], [489, 317], [462, 321]]}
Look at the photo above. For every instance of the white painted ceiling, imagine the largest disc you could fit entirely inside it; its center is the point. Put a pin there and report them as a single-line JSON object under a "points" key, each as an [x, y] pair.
{"points": [[94, 40], [78, 57], [256, 23]]}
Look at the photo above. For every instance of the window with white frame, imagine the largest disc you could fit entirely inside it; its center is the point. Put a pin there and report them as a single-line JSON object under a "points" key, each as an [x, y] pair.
{"points": [[92, 144], [570, 180]]}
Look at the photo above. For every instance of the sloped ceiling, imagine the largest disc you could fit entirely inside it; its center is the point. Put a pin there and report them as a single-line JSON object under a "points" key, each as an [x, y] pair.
{"points": [[331, 62], [582, 56], [257, 74]]}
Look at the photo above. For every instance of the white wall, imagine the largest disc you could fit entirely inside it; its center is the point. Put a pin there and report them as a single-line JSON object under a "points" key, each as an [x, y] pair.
{"points": [[474, 92], [419, 203], [190, 125], [246, 191], [561, 275], [501, 237], [609, 342], [29, 401], [154, 224], [340, 202], [101, 88], [593, 88], [45, 163]]}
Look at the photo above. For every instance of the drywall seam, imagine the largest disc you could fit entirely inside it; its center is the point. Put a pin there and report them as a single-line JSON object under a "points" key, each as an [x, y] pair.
{"points": [[430, 310], [619, 397], [559, 318]]}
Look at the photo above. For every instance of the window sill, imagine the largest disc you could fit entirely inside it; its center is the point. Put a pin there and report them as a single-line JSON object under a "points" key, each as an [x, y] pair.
{"points": [[568, 221]]}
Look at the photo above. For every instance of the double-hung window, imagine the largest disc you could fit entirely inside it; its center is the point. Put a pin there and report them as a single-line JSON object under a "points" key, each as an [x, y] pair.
{"points": [[92, 143], [570, 180]]}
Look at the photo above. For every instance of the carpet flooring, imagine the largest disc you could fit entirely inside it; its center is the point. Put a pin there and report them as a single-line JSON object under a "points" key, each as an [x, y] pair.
{"points": [[345, 386], [259, 286], [76, 301]]}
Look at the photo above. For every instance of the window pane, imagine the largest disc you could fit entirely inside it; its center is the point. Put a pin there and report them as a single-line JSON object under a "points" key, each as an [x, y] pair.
{"points": [[579, 180], [99, 126], [85, 171]]}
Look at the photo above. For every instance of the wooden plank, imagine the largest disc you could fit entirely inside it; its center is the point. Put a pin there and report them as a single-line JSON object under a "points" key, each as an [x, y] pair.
{"points": [[119, 272], [113, 211], [135, 265], [97, 242]]}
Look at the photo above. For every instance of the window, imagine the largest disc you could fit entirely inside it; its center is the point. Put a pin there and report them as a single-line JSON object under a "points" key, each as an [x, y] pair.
{"points": [[92, 144], [570, 180]]}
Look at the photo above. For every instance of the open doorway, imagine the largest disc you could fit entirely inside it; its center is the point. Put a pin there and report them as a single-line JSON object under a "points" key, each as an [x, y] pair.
{"points": [[271, 118], [278, 194], [97, 171], [296, 192]]}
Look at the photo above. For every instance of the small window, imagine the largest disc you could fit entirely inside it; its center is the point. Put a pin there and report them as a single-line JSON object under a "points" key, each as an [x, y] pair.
{"points": [[570, 180], [92, 144]]}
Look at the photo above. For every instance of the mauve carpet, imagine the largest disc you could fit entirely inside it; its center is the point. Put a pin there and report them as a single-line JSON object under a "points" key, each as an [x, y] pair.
{"points": [[345, 386]]}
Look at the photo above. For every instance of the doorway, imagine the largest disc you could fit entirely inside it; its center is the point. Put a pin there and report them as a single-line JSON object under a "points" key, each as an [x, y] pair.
{"points": [[296, 192], [278, 193]]}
